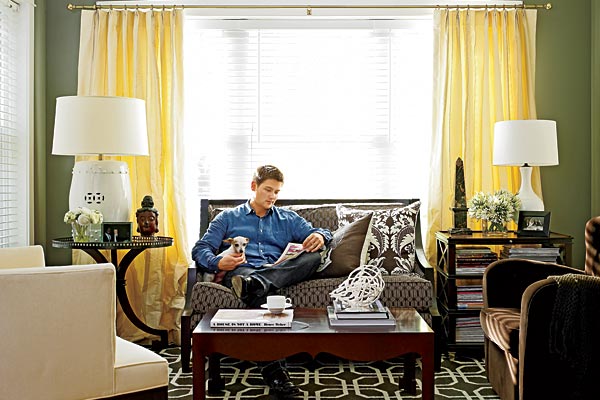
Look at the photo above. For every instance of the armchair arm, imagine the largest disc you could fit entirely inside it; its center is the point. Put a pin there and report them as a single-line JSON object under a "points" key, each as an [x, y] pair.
{"points": [[505, 281]]}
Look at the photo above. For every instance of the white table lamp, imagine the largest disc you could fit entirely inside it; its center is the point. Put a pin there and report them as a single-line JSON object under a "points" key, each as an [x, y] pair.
{"points": [[526, 143], [96, 125]]}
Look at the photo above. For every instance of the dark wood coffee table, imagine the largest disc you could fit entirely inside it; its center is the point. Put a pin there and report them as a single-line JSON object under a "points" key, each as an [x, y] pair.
{"points": [[411, 335]]}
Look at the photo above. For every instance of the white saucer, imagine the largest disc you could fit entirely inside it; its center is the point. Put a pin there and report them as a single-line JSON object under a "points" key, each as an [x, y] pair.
{"points": [[275, 310]]}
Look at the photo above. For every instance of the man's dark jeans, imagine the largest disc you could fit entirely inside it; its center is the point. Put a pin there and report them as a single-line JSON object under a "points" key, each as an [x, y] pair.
{"points": [[279, 276]]}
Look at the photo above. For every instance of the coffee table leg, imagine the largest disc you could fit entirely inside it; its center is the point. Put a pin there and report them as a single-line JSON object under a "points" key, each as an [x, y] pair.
{"points": [[198, 373], [408, 381], [427, 378], [215, 383]]}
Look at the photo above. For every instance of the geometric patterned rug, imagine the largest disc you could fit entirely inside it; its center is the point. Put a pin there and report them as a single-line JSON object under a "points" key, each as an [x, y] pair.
{"points": [[328, 377]]}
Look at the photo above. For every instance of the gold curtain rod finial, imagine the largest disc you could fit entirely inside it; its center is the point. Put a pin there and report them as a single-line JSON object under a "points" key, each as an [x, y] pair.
{"points": [[70, 7], [548, 6]]}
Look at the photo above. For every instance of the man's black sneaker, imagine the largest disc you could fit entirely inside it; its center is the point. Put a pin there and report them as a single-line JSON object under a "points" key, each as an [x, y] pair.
{"points": [[246, 288]]}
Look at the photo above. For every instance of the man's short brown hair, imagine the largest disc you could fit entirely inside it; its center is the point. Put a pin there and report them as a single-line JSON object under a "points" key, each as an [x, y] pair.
{"points": [[267, 172]]}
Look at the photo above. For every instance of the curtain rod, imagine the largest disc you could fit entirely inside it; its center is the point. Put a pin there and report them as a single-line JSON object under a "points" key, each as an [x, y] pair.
{"points": [[308, 8]]}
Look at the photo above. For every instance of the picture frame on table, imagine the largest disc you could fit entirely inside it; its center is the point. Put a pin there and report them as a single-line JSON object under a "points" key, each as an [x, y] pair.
{"points": [[116, 231], [534, 223]]}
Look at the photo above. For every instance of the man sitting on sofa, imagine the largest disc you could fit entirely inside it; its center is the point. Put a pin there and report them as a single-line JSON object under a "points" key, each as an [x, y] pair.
{"points": [[269, 229]]}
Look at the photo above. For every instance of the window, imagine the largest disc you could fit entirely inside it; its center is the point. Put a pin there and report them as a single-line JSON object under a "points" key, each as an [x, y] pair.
{"points": [[16, 113], [342, 107]]}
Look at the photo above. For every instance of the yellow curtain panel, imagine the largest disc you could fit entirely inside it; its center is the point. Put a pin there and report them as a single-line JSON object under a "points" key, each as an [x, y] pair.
{"points": [[138, 53], [484, 71]]}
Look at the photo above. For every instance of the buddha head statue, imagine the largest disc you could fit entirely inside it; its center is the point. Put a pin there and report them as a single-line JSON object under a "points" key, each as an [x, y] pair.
{"points": [[147, 217]]}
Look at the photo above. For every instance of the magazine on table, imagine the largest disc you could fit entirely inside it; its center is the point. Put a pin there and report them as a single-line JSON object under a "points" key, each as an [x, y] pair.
{"points": [[249, 318]]}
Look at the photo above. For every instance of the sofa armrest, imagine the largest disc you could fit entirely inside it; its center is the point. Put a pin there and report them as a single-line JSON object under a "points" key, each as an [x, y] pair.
{"points": [[192, 271], [505, 281], [429, 274]]}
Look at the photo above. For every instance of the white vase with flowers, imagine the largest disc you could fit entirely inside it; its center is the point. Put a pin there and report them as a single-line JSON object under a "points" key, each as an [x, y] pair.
{"points": [[81, 220], [495, 210]]}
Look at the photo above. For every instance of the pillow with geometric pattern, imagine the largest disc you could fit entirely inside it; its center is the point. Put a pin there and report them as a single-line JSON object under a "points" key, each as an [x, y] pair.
{"points": [[392, 235]]}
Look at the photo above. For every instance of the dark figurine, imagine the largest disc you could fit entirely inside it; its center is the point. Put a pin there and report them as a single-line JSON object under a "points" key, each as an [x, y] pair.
{"points": [[460, 202], [147, 217]]}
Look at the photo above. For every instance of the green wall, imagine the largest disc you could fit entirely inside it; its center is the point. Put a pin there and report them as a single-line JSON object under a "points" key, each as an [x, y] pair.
{"points": [[62, 52], [563, 93]]}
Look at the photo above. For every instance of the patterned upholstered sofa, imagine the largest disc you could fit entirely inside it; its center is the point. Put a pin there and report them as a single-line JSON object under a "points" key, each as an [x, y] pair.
{"points": [[402, 290]]}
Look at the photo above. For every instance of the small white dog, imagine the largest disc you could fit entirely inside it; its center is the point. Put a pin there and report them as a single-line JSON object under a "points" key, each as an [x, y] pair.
{"points": [[237, 245]]}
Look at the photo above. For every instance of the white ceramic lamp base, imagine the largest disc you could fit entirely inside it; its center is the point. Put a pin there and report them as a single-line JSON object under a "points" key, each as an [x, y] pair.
{"points": [[102, 185], [529, 200]]}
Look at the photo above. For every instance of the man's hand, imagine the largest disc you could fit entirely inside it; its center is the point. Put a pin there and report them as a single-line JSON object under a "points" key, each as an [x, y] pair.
{"points": [[230, 262], [313, 242]]}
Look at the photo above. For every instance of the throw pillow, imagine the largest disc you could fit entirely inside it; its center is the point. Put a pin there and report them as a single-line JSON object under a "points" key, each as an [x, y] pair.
{"points": [[348, 249], [392, 235]]}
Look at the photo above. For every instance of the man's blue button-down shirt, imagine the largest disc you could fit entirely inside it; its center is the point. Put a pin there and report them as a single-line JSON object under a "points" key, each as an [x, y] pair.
{"points": [[268, 235]]}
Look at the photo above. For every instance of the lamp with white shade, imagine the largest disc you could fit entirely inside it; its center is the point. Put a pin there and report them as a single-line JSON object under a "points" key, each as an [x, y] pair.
{"points": [[526, 143], [97, 125]]}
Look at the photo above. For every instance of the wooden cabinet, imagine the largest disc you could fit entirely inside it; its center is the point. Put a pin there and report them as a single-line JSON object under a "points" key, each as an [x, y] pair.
{"points": [[461, 260]]}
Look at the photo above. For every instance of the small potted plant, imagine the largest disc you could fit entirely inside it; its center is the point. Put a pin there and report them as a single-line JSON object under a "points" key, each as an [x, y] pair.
{"points": [[494, 210], [81, 220]]}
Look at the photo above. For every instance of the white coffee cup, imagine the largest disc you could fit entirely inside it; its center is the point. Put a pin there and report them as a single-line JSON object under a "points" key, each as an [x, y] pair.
{"points": [[276, 304]]}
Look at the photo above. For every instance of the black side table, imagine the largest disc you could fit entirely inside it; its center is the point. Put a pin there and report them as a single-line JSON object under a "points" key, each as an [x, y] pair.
{"points": [[137, 245]]}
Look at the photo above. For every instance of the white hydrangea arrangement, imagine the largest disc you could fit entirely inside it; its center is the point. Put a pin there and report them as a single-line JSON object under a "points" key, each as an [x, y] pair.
{"points": [[81, 220], [498, 208], [83, 216]]}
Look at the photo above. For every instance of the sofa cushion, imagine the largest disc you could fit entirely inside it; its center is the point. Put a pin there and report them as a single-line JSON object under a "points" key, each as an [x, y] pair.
{"points": [[392, 241], [348, 249], [501, 326], [320, 216], [137, 368]]}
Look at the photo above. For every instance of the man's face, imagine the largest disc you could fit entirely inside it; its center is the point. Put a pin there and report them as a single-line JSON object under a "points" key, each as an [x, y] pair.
{"points": [[266, 193]]}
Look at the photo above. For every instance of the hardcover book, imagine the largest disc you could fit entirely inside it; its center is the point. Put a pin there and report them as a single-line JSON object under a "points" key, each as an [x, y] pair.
{"points": [[245, 318], [375, 310], [390, 321]]}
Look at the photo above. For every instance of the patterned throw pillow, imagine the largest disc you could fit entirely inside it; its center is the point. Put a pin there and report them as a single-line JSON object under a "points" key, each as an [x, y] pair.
{"points": [[392, 235], [347, 250]]}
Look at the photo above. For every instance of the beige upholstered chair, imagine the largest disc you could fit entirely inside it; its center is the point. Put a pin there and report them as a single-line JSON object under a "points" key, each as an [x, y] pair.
{"points": [[22, 257], [58, 335]]}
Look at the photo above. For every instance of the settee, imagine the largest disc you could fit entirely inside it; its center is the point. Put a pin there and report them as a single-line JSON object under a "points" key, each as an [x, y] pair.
{"points": [[405, 285]]}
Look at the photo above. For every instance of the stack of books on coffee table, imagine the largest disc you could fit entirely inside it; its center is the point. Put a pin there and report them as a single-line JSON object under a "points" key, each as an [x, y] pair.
{"points": [[249, 318], [374, 315]]}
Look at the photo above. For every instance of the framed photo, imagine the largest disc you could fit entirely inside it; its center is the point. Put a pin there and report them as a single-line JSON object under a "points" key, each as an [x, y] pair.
{"points": [[116, 232], [534, 223]]}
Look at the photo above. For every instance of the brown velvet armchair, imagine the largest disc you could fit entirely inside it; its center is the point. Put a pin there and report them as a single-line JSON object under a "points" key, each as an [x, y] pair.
{"points": [[521, 357]]}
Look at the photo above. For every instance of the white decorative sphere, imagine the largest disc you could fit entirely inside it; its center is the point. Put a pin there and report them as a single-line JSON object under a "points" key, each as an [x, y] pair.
{"points": [[362, 287]]}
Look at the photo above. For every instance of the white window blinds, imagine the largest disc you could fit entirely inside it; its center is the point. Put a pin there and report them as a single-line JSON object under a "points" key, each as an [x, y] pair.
{"points": [[16, 23], [351, 103], [343, 111]]}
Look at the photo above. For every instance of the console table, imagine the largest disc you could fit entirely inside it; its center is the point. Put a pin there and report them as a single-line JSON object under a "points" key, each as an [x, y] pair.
{"points": [[449, 279], [136, 246]]}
